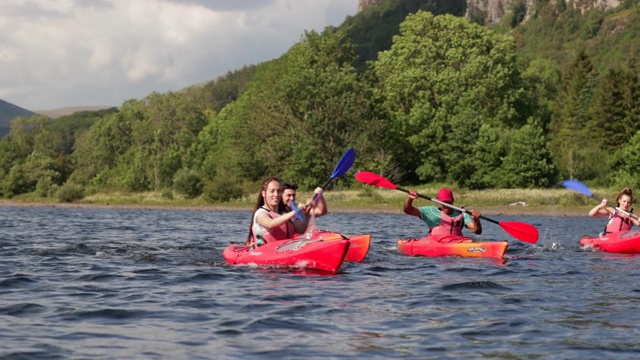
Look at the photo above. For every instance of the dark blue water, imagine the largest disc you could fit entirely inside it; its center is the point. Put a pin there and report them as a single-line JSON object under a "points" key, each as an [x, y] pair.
{"points": [[125, 284]]}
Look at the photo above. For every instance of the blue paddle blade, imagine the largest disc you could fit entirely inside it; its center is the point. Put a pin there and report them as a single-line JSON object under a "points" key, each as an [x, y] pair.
{"points": [[344, 164], [294, 207], [577, 186]]}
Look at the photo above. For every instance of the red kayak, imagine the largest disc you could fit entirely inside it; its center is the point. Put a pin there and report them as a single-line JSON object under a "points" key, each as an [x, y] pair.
{"points": [[452, 245], [358, 244], [293, 253], [624, 242]]}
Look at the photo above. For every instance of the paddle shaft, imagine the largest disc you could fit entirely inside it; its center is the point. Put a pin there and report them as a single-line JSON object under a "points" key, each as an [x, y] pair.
{"points": [[449, 205]]}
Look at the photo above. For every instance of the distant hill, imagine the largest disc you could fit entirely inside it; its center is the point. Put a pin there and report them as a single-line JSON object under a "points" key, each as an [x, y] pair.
{"points": [[9, 112], [56, 113]]}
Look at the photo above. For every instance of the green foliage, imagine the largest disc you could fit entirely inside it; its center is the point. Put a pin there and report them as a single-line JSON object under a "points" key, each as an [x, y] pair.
{"points": [[373, 29], [614, 112], [222, 189], [626, 163], [69, 192], [517, 13], [227, 89], [528, 163], [441, 80], [570, 138], [188, 183]]}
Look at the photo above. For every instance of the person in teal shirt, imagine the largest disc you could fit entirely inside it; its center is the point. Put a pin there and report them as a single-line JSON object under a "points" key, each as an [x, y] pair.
{"points": [[445, 220]]}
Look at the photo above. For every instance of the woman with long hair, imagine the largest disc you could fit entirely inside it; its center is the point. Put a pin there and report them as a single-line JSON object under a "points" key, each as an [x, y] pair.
{"points": [[618, 221], [271, 220]]}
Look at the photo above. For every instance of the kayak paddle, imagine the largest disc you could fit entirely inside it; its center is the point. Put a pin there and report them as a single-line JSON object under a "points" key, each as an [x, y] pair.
{"points": [[580, 188], [343, 165], [521, 231]]}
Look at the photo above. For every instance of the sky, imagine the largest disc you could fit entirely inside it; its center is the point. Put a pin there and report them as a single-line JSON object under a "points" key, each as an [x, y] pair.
{"points": [[63, 53]]}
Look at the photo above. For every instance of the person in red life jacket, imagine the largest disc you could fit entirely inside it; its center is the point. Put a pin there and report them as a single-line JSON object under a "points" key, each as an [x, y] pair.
{"points": [[271, 220], [443, 221], [320, 207], [618, 221]]}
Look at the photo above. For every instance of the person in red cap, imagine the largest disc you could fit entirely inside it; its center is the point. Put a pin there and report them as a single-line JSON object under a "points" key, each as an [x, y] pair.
{"points": [[445, 220]]}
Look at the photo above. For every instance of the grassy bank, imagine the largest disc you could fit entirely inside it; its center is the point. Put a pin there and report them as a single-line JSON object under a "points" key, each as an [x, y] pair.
{"points": [[363, 199]]}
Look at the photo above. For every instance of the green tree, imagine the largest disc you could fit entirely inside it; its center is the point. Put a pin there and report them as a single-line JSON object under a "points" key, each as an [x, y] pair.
{"points": [[625, 164], [528, 163], [443, 78], [614, 113], [299, 115], [570, 140]]}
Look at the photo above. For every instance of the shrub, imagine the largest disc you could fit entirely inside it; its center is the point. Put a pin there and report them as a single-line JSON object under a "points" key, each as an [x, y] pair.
{"points": [[188, 183], [69, 192], [222, 189]]}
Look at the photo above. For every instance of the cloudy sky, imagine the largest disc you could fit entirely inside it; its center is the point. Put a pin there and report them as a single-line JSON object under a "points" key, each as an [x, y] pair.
{"points": [[60, 53]]}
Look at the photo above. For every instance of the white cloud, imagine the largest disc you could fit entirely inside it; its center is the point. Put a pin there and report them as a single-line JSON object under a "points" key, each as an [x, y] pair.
{"points": [[97, 52]]}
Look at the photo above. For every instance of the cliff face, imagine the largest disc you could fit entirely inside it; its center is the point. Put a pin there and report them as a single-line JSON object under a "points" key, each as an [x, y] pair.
{"points": [[492, 11]]}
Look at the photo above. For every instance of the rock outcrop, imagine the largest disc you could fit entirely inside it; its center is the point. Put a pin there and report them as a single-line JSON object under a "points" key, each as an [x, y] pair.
{"points": [[492, 11]]}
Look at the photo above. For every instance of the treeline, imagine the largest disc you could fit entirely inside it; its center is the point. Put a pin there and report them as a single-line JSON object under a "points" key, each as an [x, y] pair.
{"points": [[448, 101]]}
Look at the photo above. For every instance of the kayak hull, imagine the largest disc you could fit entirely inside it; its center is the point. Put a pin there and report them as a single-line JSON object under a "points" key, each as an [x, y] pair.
{"points": [[358, 244], [452, 245], [625, 242], [292, 253]]}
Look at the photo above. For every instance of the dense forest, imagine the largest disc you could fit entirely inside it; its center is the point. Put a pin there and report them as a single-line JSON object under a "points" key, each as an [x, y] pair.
{"points": [[420, 92]]}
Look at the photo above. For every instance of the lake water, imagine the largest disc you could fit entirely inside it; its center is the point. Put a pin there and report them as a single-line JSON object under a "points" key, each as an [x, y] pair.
{"points": [[152, 284]]}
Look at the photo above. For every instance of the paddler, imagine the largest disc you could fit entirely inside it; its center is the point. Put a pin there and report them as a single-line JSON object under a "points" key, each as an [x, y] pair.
{"points": [[271, 219], [618, 220], [320, 207], [443, 220]]}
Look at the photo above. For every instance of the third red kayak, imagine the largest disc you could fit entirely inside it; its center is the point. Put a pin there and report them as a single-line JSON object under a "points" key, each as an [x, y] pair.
{"points": [[452, 245], [624, 242]]}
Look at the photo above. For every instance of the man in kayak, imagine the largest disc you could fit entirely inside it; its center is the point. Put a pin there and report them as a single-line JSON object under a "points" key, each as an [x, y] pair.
{"points": [[444, 220], [618, 220], [271, 220], [320, 207]]}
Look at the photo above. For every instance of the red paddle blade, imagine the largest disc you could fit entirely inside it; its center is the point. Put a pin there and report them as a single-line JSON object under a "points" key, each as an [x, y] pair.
{"points": [[521, 231], [370, 178]]}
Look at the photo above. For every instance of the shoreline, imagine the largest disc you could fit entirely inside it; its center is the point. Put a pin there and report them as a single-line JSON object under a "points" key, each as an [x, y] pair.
{"points": [[507, 210]]}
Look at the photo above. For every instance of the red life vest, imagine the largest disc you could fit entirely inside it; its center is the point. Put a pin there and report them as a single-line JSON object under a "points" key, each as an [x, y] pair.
{"points": [[618, 223], [261, 235], [448, 225]]}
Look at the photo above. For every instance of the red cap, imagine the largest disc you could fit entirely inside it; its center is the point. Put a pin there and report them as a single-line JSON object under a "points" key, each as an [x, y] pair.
{"points": [[445, 195]]}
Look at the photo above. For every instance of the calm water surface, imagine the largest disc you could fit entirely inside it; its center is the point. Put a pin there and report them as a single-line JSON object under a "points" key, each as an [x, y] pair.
{"points": [[129, 284]]}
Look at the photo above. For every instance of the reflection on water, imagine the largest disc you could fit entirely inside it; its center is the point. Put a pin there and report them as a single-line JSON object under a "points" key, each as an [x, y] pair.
{"points": [[115, 283]]}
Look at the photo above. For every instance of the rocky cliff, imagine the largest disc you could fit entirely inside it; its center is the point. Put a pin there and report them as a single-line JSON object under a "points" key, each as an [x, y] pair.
{"points": [[492, 11]]}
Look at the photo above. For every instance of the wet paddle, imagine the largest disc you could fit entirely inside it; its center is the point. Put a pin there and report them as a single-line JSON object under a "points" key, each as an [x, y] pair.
{"points": [[580, 188], [521, 231], [344, 164]]}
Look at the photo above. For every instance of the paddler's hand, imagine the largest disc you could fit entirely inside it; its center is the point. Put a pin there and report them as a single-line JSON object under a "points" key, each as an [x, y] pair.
{"points": [[476, 215], [413, 194]]}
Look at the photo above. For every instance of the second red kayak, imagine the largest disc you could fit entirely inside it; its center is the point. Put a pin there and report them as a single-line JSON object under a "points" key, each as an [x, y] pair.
{"points": [[625, 242], [294, 253], [452, 245], [358, 244]]}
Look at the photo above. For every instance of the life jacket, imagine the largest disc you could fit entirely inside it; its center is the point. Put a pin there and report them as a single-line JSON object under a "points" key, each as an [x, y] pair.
{"points": [[448, 225], [618, 223], [261, 235]]}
